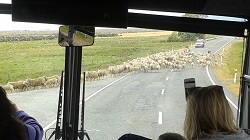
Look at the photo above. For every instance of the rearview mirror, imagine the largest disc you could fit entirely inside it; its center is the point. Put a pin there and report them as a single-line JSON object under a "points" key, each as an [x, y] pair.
{"points": [[76, 36]]}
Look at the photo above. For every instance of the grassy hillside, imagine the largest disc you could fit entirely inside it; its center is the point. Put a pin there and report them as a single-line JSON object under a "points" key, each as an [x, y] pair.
{"points": [[23, 59]]}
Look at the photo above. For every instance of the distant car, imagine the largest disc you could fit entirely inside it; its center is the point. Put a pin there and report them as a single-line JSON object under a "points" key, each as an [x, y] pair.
{"points": [[200, 43]]}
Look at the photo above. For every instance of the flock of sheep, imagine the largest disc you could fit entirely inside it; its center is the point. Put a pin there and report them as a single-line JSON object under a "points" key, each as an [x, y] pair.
{"points": [[175, 60], [31, 84]]}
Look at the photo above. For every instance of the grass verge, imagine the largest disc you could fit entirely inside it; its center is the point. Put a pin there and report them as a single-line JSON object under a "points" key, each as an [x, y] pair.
{"points": [[31, 59], [232, 59]]}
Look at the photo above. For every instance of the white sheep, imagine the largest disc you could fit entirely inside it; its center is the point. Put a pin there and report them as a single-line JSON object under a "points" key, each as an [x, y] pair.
{"points": [[8, 88], [156, 67], [53, 82], [102, 73], [92, 75], [35, 83], [19, 85], [113, 70]]}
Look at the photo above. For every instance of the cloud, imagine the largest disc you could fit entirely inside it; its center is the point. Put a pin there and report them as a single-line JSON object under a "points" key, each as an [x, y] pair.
{"points": [[8, 24], [6, 1]]}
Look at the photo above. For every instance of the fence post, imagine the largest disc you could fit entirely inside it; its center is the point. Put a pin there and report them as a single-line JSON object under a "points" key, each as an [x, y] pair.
{"points": [[235, 75], [221, 58]]}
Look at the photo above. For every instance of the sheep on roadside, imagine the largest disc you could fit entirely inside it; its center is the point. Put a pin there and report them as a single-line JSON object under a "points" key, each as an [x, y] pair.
{"points": [[145, 68], [8, 88], [19, 86], [102, 73], [54, 82], [35, 83], [113, 70], [52, 77], [136, 69], [121, 68], [156, 67], [192, 64], [92, 75]]}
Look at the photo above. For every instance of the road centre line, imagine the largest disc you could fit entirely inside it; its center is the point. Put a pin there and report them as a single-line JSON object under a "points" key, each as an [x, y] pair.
{"points": [[86, 99], [223, 46], [162, 91], [160, 118]]}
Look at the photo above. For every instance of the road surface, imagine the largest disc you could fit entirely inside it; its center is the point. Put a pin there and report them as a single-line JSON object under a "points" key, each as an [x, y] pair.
{"points": [[147, 104]]}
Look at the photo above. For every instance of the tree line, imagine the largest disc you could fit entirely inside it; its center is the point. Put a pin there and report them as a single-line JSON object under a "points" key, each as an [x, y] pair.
{"points": [[25, 37], [184, 36]]}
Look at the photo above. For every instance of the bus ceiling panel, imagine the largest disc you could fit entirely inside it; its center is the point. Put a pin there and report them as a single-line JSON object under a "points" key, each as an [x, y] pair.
{"points": [[107, 13], [233, 8], [184, 24], [5, 8]]}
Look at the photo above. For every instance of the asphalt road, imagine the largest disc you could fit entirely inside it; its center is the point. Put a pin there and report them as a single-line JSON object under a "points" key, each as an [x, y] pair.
{"points": [[147, 104]]}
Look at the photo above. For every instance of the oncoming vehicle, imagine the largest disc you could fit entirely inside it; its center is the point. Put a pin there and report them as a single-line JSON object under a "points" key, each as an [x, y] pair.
{"points": [[128, 81], [200, 43]]}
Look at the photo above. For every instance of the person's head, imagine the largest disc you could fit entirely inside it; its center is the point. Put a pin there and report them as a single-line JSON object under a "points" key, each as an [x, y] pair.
{"points": [[9, 124], [207, 113], [171, 136], [6, 106]]}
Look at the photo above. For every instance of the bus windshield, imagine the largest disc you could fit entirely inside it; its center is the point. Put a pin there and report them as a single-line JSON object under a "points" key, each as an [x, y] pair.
{"points": [[134, 77]]}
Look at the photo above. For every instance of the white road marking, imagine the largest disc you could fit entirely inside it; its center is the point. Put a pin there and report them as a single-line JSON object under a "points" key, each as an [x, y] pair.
{"points": [[92, 130], [86, 99], [162, 91], [160, 118], [230, 101], [223, 46], [167, 78], [105, 87], [49, 125]]}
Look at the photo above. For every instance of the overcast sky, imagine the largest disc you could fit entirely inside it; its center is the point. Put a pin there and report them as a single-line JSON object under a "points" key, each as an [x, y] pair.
{"points": [[7, 24]]}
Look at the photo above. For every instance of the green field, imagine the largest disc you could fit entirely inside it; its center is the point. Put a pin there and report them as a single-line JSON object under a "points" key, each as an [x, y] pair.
{"points": [[31, 59]]}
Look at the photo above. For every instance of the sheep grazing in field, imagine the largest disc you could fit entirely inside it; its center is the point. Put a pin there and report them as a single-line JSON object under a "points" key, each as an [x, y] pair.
{"points": [[18, 86], [8, 88], [53, 82], [35, 83]]}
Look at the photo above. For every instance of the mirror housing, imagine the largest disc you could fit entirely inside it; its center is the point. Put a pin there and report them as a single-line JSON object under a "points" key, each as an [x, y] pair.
{"points": [[75, 35]]}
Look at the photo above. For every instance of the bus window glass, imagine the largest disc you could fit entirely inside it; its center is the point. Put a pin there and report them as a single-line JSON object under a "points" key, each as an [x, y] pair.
{"points": [[134, 77]]}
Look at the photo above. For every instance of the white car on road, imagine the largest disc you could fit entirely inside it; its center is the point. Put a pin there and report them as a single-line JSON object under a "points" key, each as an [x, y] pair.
{"points": [[200, 43]]}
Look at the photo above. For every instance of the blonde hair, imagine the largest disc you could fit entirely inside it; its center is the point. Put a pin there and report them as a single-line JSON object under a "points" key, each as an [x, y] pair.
{"points": [[207, 113]]}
